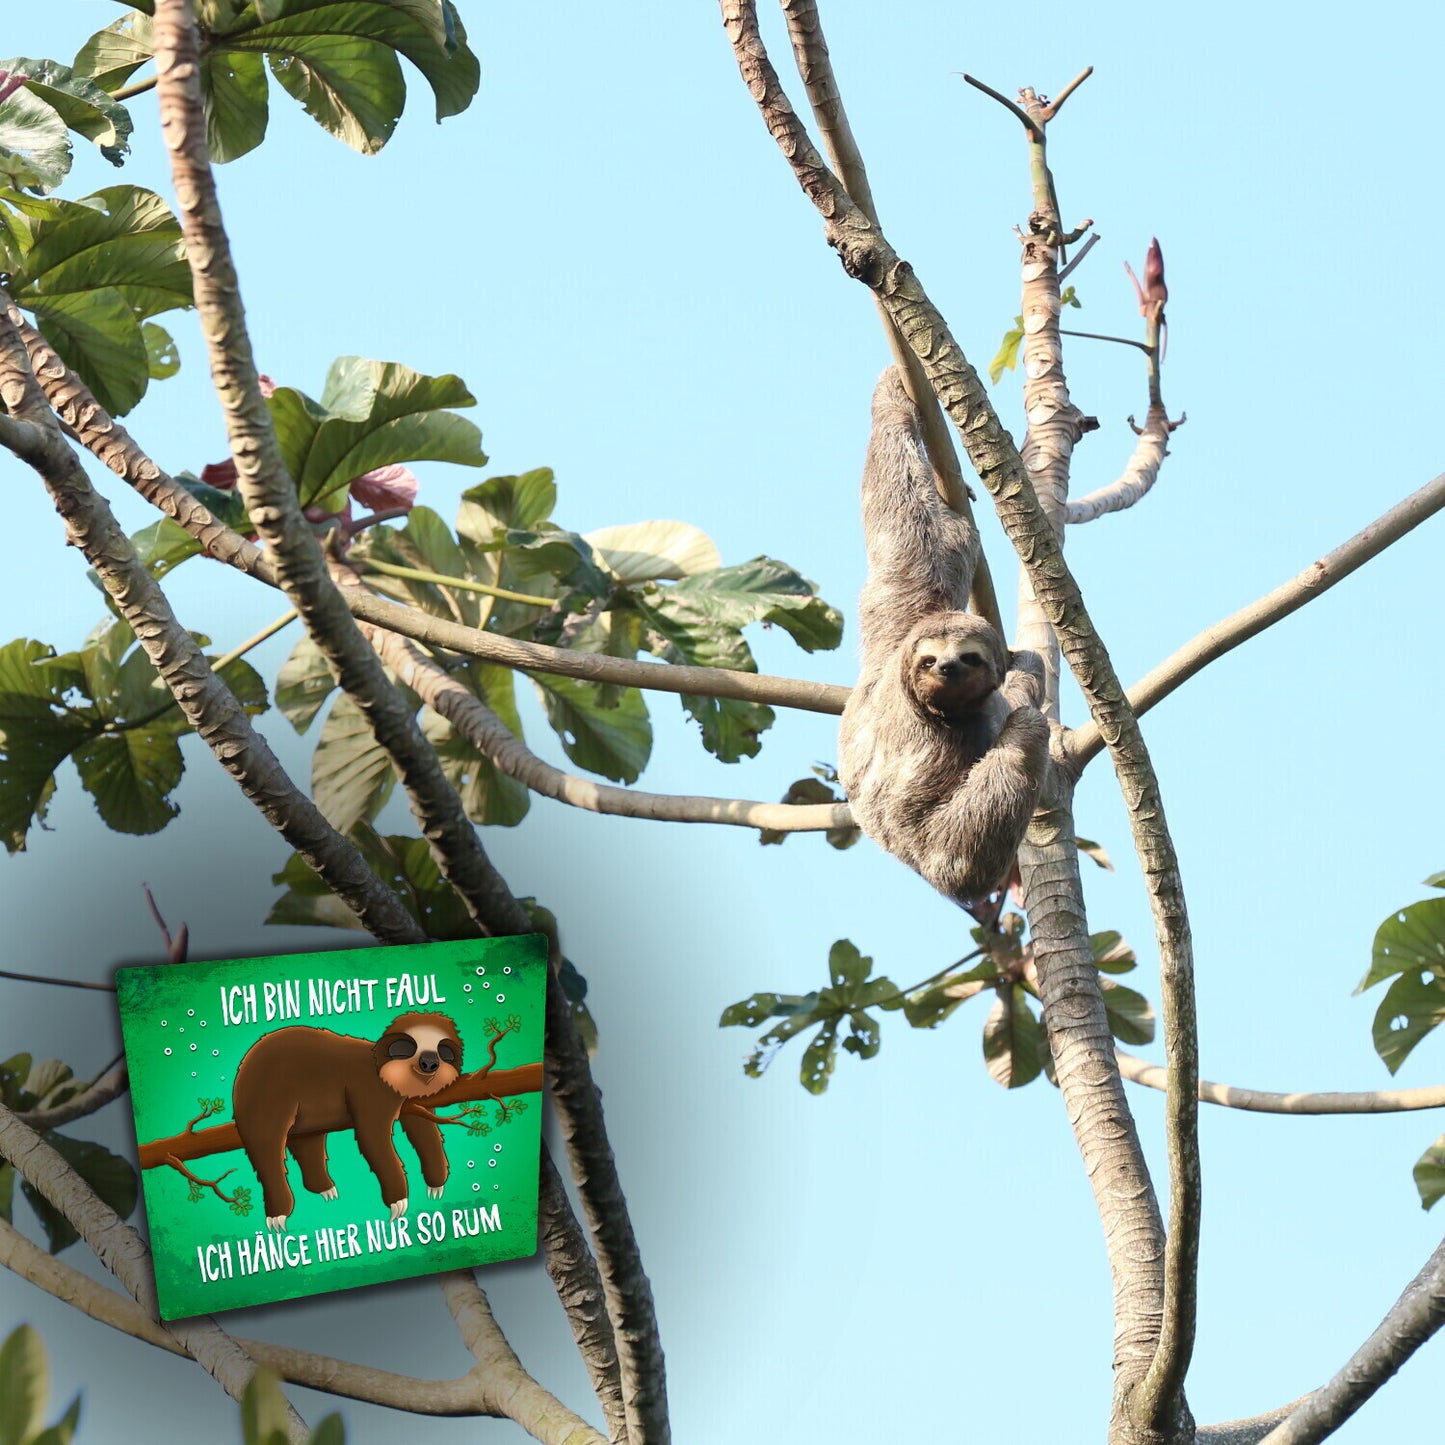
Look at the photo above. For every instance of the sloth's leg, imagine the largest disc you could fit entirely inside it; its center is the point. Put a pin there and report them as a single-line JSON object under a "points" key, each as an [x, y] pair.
{"points": [[373, 1138], [264, 1141], [309, 1151], [973, 837], [426, 1139]]}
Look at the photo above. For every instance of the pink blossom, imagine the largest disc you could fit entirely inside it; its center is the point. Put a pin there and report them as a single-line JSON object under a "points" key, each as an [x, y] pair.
{"points": [[10, 82], [385, 488]]}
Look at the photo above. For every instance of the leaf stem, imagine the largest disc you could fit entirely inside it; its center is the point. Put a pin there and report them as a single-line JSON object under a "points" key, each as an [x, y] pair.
{"points": [[414, 574]]}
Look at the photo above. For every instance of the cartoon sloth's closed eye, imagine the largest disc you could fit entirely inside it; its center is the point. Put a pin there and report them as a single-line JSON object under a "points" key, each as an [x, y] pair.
{"points": [[296, 1085]]}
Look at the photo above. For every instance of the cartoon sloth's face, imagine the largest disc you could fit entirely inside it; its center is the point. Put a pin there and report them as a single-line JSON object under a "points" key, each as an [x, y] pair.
{"points": [[420, 1061]]}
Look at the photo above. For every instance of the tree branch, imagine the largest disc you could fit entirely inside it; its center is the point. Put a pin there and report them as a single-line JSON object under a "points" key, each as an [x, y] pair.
{"points": [[491, 737], [1084, 742], [206, 702], [574, 1276], [108, 1087], [1134, 482], [1260, 1101], [867, 256], [1414, 1317], [513, 1392], [815, 66], [125, 1254]]}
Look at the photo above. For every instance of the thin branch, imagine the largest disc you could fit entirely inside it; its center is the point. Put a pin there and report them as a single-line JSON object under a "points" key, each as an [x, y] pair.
{"points": [[1057, 104], [867, 256], [1013, 107], [1096, 336], [255, 640], [1413, 1319], [458, 1397], [491, 737], [271, 498], [1085, 742], [111, 444], [214, 1185], [206, 702], [58, 982], [1260, 1101], [106, 1089], [499, 1372], [1065, 271], [1134, 483], [574, 1276], [815, 66], [125, 1254], [129, 92]]}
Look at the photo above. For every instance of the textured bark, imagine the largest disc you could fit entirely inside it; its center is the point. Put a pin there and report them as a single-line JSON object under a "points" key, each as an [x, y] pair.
{"points": [[205, 701], [510, 1389], [124, 1253], [1138, 476], [491, 737], [574, 1275]]}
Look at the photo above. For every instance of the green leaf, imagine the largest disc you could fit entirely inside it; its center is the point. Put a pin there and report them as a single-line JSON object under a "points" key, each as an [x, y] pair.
{"points": [[1430, 1174], [24, 1385], [847, 968], [809, 792], [654, 551], [351, 773], [865, 1037], [82, 104], [1131, 1015], [130, 776], [1007, 355], [1412, 938], [163, 360], [303, 685], [111, 56], [1069, 297], [753, 1010], [97, 336], [1412, 1006], [489, 796], [819, 1058], [225, 506], [371, 414], [613, 741], [404, 864], [502, 504], [163, 546], [1012, 1039], [110, 1176], [1095, 851], [233, 84], [1111, 953], [263, 1410], [7, 1202], [34, 143], [331, 1431], [762, 590], [36, 735]]}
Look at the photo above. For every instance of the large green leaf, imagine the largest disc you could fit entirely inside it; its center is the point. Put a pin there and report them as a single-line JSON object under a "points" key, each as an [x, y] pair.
{"points": [[82, 104], [654, 551], [98, 337], [131, 776], [34, 143], [351, 773], [237, 102], [110, 1176], [613, 741], [39, 728], [762, 590], [371, 414], [351, 87], [489, 796], [1412, 938], [303, 685], [502, 504], [111, 56], [1412, 1007], [1012, 1039], [404, 864]]}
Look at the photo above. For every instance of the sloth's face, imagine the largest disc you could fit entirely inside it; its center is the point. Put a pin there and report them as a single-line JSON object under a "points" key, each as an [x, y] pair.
{"points": [[951, 675], [421, 1061]]}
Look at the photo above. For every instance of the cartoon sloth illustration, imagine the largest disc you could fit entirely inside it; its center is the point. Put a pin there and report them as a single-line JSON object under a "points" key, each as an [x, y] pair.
{"points": [[296, 1085]]}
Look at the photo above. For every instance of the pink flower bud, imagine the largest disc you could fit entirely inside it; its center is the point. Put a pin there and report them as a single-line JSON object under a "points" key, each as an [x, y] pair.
{"points": [[9, 84], [221, 475], [383, 488]]}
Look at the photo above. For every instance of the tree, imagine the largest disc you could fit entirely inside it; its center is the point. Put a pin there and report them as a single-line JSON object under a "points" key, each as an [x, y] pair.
{"points": [[1059, 942]]}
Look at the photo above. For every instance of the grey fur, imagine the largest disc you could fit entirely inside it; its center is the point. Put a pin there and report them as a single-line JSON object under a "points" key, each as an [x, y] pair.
{"points": [[947, 787]]}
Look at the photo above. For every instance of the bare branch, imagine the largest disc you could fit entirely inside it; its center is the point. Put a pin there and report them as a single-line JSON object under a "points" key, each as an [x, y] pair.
{"points": [[815, 66], [1413, 1319], [512, 1391], [205, 701], [574, 1276], [1013, 107], [491, 737], [1136, 479], [1057, 104], [1078, 260], [125, 1254], [1244, 1432], [1085, 742], [1260, 1101], [107, 1088], [57, 982]]}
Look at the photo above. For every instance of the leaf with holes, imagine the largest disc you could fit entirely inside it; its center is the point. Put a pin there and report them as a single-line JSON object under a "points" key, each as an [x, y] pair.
{"points": [[1412, 1006], [1411, 939], [819, 1058]]}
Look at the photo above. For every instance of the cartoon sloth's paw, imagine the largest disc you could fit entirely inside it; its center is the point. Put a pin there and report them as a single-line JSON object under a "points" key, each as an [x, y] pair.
{"points": [[399, 1208], [433, 1191], [276, 1223], [329, 1193]]}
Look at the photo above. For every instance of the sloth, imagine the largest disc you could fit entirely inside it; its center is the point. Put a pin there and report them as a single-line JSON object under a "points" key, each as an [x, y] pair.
{"points": [[943, 750], [297, 1085]]}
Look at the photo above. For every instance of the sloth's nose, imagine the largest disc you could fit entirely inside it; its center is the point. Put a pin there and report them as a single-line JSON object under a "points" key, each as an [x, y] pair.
{"points": [[427, 1063], [948, 669]]}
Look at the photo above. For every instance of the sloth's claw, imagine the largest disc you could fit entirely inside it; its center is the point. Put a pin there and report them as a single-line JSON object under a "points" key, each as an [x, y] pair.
{"points": [[399, 1208], [276, 1223], [433, 1191], [329, 1193]]}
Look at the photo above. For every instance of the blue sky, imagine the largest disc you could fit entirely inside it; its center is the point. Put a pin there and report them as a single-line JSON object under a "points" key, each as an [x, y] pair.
{"points": [[612, 253]]}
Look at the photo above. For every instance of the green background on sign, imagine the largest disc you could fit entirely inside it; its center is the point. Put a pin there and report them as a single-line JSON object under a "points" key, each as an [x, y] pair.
{"points": [[181, 1052]]}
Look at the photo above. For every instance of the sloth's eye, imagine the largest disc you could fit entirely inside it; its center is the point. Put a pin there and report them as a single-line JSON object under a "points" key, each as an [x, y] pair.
{"points": [[926, 662], [446, 1053], [972, 659], [402, 1048]]}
